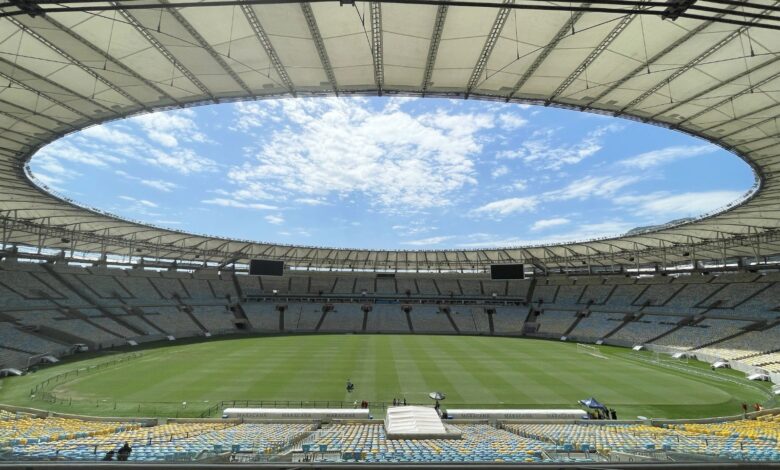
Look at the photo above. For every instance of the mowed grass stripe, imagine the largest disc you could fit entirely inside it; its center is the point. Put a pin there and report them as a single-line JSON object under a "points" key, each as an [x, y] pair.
{"points": [[317, 370], [492, 386], [412, 381], [436, 377], [388, 385], [472, 389], [506, 373], [543, 372]]}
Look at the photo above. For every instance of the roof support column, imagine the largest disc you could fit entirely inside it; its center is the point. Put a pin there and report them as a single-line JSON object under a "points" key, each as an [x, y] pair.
{"points": [[76, 228], [8, 231], [662, 245], [43, 233], [636, 257], [376, 46], [756, 244]]}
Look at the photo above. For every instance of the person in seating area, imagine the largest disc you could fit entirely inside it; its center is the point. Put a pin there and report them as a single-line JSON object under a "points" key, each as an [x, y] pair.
{"points": [[124, 452]]}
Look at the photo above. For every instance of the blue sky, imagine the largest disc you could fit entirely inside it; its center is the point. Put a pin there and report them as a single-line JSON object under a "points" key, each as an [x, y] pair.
{"points": [[393, 173]]}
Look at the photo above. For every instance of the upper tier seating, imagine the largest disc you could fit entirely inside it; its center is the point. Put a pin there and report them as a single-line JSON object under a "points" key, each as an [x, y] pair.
{"points": [[704, 332], [645, 329]]}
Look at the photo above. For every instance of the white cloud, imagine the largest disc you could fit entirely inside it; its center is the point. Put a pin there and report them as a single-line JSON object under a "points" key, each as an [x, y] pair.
{"points": [[667, 155], [609, 228], [339, 147], [597, 230], [255, 114], [542, 151], [394, 103], [590, 186], [499, 171], [582, 232], [678, 205], [50, 181], [547, 223], [143, 202], [274, 219], [487, 242], [184, 161], [413, 228], [519, 185], [237, 204], [504, 207], [310, 201], [170, 127], [428, 241], [54, 167], [160, 185], [109, 135], [511, 122], [65, 151]]}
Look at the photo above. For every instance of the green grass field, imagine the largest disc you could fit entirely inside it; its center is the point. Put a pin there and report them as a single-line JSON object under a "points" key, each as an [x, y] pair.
{"points": [[472, 371]]}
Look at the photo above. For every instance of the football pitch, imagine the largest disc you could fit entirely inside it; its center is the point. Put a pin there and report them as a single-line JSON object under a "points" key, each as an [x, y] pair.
{"points": [[472, 371]]}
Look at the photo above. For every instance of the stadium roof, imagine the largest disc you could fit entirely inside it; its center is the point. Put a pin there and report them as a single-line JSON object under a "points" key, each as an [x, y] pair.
{"points": [[713, 72]]}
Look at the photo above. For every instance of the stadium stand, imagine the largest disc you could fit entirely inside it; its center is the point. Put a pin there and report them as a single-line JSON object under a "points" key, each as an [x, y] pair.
{"points": [[466, 319], [27, 437], [621, 437], [387, 318], [302, 316], [597, 294], [693, 75], [26, 429], [50, 307], [596, 325], [645, 329], [555, 322], [480, 443], [171, 321], [178, 441], [262, 315], [702, 333], [214, 319], [569, 295], [752, 346], [343, 317], [509, 320], [753, 440], [430, 319], [406, 285]]}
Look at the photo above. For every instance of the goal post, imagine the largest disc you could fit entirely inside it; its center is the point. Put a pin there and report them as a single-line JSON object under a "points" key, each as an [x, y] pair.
{"points": [[590, 349]]}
